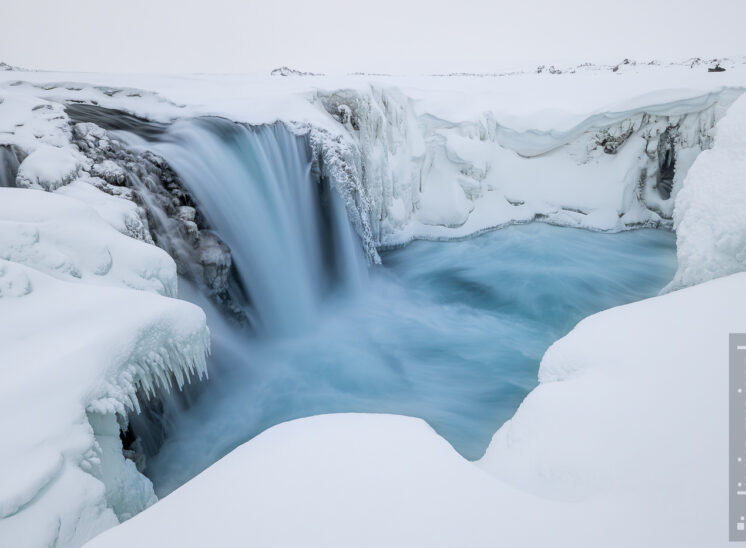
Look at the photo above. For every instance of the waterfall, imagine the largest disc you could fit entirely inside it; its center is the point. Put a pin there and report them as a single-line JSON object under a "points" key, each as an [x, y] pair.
{"points": [[452, 333], [287, 229], [8, 167]]}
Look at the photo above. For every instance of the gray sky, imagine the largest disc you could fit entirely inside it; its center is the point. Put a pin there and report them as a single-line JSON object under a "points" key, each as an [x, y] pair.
{"points": [[399, 36]]}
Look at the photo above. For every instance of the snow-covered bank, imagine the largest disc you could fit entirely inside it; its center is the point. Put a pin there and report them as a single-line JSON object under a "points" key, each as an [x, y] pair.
{"points": [[433, 157], [621, 445], [709, 216], [76, 343]]}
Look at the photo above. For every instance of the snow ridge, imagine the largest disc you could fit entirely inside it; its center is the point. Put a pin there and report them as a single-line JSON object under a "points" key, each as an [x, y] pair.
{"points": [[152, 368]]}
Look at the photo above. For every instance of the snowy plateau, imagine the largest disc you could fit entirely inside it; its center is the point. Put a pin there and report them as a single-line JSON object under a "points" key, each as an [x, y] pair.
{"points": [[624, 441]]}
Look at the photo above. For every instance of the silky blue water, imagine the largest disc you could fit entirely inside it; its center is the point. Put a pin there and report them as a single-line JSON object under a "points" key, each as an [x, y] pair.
{"points": [[288, 233], [451, 332]]}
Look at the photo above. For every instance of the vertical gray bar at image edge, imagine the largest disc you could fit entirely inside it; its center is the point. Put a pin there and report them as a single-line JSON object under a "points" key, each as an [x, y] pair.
{"points": [[737, 438]]}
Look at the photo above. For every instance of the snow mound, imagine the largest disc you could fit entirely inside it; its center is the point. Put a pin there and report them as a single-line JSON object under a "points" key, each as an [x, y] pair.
{"points": [[600, 454], [67, 239], [709, 215], [48, 168], [76, 346], [124, 215], [287, 71], [331, 480]]}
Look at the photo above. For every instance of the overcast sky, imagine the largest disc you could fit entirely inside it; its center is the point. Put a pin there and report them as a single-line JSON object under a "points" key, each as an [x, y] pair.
{"points": [[397, 36]]}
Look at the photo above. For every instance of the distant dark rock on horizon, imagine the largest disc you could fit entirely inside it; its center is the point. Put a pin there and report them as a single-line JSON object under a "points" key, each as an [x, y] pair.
{"points": [[287, 71]]}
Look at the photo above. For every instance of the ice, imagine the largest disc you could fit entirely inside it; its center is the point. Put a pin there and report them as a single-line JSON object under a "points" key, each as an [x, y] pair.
{"points": [[75, 347], [709, 221], [66, 239], [438, 178]]}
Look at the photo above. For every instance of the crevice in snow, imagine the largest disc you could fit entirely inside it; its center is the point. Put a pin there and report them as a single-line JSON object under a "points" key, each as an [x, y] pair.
{"points": [[172, 220]]}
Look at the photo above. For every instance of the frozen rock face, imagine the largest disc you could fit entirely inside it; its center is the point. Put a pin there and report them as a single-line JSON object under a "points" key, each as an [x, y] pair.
{"points": [[44, 149], [402, 171], [149, 181], [337, 162], [709, 215], [409, 174], [383, 170]]}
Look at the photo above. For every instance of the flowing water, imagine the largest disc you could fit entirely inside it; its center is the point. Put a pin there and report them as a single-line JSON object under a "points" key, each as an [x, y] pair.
{"points": [[451, 332]]}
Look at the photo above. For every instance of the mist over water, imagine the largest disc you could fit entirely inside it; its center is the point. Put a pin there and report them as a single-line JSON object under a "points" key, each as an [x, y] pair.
{"points": [[451, 332]]}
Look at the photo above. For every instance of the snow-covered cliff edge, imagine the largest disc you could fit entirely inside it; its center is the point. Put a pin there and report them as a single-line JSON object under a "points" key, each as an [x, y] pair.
{"points": [[709, 215], [84, 324]]}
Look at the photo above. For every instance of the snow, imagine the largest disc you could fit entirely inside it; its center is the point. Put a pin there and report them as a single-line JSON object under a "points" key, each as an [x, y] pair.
{"points": [[709, 220], [64, 238], [600, 454], [621, 444], [122, 214], [75, 343], [433, 178], [431, 157]]}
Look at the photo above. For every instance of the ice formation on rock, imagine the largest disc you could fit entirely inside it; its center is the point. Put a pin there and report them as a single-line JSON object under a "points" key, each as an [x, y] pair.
{"points": [[709, 214], [66, 239], [408, 163], [426, 177], [79, 345]]}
